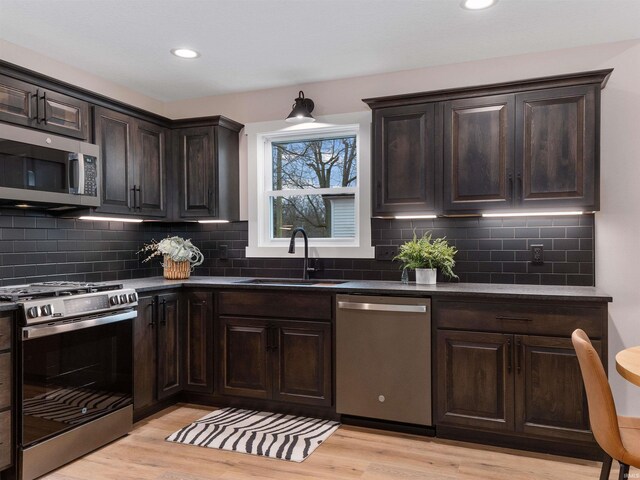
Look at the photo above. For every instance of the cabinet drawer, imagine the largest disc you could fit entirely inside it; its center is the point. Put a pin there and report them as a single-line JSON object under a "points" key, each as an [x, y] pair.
{"points": [[559, 319], [285, 304], [5, 380], [5, 332], [5, 439]]}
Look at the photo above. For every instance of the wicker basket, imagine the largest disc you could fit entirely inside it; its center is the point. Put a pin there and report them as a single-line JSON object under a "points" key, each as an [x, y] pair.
{"points": [[176, 270]]}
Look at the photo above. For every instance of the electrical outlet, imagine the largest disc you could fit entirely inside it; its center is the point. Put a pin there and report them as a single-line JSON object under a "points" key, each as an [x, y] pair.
{"points": [[386, 252], [223, 252], [537, 254]]}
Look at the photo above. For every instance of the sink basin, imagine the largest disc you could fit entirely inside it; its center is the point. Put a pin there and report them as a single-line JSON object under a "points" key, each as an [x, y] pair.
{"points": [[289, 281]]}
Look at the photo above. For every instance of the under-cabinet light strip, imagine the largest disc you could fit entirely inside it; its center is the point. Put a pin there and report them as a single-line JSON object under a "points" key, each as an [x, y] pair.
{"points": [[213, 221], [529, 214], [414, 217], [111, 219]]}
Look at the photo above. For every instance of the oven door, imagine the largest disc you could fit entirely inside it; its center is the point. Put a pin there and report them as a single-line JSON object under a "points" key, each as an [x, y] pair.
{"points": [[74, 373]]}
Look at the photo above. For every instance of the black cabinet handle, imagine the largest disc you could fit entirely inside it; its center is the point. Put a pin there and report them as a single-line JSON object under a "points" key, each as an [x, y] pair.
{"points": [[38, 105], [519, 349], [29, 101], [163, 322], [520, 186], [274, 341], [268, 338], [44, 107], [510, 186], [509, 356], [519, 319], [152, 323], [138, 198], [133, 193]]}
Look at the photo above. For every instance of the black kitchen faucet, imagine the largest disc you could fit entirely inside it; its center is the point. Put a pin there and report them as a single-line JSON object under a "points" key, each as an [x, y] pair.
{"points": [[292, 249]]}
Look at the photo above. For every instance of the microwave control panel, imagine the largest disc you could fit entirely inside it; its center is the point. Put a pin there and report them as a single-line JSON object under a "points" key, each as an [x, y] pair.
{"points": [[90, 176]]}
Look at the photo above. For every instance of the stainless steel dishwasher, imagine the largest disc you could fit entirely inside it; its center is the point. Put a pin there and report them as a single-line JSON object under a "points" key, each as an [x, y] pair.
{"points": [[383, 358]]}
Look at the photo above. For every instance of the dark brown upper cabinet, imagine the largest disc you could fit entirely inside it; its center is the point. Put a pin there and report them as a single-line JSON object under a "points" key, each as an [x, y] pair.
{"points": [[404, 160], [525, 145], [30, 105], [478, 153], [133, 154], [208, 171], [557, 148]]}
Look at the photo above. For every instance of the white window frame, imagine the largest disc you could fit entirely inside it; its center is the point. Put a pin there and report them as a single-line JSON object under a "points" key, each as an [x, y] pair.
{"points": [[259, 158]]}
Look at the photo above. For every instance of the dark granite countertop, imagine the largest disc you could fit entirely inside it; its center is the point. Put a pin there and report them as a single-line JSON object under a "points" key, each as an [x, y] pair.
{"points": [[540, 292], [375, 287]]}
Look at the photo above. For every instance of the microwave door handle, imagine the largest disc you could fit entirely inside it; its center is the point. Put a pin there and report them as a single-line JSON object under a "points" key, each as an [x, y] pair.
{"points": [[80, 174]]}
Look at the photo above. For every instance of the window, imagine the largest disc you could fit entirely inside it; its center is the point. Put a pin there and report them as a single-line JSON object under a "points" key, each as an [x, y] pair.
{"points": [[314, 176]]}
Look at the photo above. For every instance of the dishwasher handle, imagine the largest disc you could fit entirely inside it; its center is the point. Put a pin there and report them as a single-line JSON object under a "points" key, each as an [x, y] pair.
{"points": [[382, 307]]}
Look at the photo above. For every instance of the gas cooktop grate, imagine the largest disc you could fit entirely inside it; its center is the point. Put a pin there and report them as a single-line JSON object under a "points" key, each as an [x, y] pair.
{"points": [[53, 289]]}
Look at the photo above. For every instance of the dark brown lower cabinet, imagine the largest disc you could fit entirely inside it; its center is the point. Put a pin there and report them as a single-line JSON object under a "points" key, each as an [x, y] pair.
{"points": [[158, 350], [475, 380], [245, 364], [550, 397], [169, 345], [303, 364], [273, 359], [144, 347], [199, 354], [510, 369], [6, 391], [512, 383]]}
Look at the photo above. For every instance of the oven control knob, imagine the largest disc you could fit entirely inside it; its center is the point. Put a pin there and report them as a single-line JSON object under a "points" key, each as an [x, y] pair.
{"points": [[132, 297], [114, 300], [46, 310], [33, 312], [123, 298]]}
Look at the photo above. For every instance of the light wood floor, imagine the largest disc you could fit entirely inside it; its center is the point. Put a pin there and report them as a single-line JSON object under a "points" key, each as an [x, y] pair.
{"points": [[350, 453]]}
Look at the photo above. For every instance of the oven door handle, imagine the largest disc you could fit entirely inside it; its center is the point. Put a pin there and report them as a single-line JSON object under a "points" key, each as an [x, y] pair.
{"points": [[38, 331]]}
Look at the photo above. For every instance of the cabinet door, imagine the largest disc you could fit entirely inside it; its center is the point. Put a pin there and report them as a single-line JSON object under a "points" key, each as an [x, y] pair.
{"points": [[198, 171], [144, 351], [6, 440], [404, 160], [303, 362], [17, 101], [150, 162], [245, 363], [550, 397], [169, 341], [557, 148], [478, 153], [475, 380], [63, 114], [199, 355], [113, 135]]}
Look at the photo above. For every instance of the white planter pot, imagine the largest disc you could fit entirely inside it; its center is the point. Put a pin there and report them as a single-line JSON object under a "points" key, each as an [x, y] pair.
{"points": [[426, 276]]}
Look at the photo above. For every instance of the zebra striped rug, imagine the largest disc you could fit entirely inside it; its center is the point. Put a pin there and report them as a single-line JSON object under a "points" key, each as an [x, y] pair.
{"points": [[259, 433]]}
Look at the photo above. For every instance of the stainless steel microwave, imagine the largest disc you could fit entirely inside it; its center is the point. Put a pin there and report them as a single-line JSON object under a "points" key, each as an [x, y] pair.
{"points": [[47, 170]]}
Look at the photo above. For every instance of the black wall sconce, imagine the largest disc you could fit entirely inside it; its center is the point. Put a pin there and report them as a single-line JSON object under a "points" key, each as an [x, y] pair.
{"points": [[302, 109]]}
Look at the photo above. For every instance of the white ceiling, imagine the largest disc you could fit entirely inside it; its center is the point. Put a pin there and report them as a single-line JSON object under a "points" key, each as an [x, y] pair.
{"points": [[256, 44]]}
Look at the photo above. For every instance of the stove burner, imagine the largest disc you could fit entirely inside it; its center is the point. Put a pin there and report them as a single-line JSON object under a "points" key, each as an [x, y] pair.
{"points": [[52, 289]]}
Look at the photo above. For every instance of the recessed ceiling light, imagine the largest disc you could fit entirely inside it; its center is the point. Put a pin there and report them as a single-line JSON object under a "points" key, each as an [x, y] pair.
{"points": [[185, 53], [478, 4]]}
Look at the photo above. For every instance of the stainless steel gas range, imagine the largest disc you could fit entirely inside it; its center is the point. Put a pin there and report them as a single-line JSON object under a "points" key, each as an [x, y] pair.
{"points": [[74, 370]]}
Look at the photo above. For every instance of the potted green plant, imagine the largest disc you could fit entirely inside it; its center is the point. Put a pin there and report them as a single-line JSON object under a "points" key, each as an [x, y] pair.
{"points": [[180, 256], [425, 256]]}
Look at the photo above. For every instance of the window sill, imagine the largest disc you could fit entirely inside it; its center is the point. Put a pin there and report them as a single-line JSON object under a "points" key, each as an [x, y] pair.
{"points": [[314, 252]]}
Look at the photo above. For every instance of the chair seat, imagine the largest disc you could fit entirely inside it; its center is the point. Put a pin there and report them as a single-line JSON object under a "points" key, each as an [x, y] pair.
{"points": [[630, 435]]}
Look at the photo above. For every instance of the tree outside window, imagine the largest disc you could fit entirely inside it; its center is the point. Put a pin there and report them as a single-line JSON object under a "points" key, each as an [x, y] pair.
{"points": [[314, 184]]}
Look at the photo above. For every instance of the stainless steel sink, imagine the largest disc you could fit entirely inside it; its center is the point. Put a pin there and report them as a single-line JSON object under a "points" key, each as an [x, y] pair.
{"points": [[289, 281]]}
